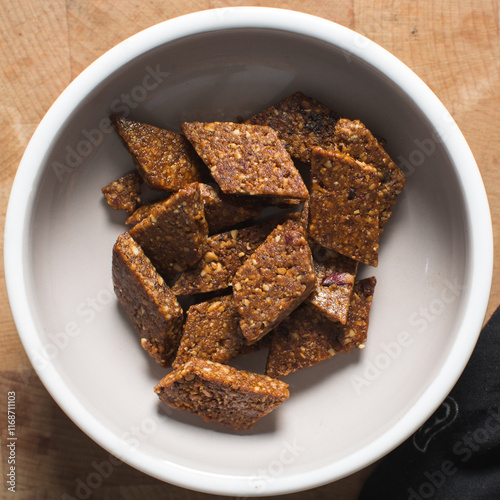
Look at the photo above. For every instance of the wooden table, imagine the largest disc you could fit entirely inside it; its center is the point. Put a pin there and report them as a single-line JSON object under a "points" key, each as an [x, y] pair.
{"points": [[453, 45]]}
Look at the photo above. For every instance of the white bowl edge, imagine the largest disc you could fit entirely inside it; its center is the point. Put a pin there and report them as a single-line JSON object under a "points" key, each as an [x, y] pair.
{"points": [[481, 250]]}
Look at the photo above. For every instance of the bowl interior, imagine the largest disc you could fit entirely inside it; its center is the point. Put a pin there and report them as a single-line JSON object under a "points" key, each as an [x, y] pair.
{"points": [[336, 408]]}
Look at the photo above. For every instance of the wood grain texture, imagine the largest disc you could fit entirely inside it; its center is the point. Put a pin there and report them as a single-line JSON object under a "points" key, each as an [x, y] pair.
{"points": [[453, 45]]}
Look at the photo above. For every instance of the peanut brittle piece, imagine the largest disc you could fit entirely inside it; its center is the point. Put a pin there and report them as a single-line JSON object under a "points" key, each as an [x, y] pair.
{"points": [[354, 332], [222, 394], [166, 160], [302, 123], [224, 254], [303, 339], [124, 193], [353, 138], [307, 337], [274, 280], [223, 211], [174, 233], [335, 276], [211, 331], [246, 159], [148, 301], [344, 205]]}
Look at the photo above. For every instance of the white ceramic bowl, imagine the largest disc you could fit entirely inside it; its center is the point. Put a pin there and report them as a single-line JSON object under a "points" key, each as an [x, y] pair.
{"points": [[433, 278]]}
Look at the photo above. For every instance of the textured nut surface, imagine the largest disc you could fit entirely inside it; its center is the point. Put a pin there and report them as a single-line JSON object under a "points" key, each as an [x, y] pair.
{"points": [[354, 332], [344, 205], [148, 301], [301, 123], [335, 276], [303, 339], [283, 263], [211, 331], [166, 160], [222, 394], [352, 137], [246, 159], [124, 193], [140, 213], [174, 233], [230, 249]]}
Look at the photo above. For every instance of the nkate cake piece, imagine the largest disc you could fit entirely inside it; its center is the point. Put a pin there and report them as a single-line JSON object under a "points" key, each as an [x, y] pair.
{"points": [[211, 331], [148, 301], [274, 280], [343, 208], [335, 275], [174, 233], [124, 193], [246, 159], [219, 393], [165, 159], [303, 123]]}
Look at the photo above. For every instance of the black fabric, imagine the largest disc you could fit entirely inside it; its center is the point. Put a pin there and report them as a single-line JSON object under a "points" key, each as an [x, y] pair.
{"points": [[455, 455]]}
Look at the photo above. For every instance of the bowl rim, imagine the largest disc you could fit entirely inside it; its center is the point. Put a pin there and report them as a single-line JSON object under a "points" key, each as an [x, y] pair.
{"points": [[477, 219]]}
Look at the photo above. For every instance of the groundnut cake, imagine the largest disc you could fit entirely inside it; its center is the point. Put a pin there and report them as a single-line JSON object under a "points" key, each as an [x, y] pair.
{"points": [[248, 236]]}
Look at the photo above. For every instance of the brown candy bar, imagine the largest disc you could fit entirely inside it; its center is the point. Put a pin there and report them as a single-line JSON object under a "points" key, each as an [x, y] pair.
{"points": [[344, 205], [353, 138], [222, 394], [303, 339], [335, 276], [174, 233], [151, 306], [246, 159], [301, 123], [165, 159], [211, 331], [273, 281], [124, 193]]}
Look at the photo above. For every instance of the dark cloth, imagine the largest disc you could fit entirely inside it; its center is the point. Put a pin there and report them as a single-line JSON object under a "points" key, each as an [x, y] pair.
{"points": [[455, 455]]}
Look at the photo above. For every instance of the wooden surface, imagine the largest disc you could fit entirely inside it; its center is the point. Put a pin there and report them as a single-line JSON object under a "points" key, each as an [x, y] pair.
{"points": [[453, 45]]}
